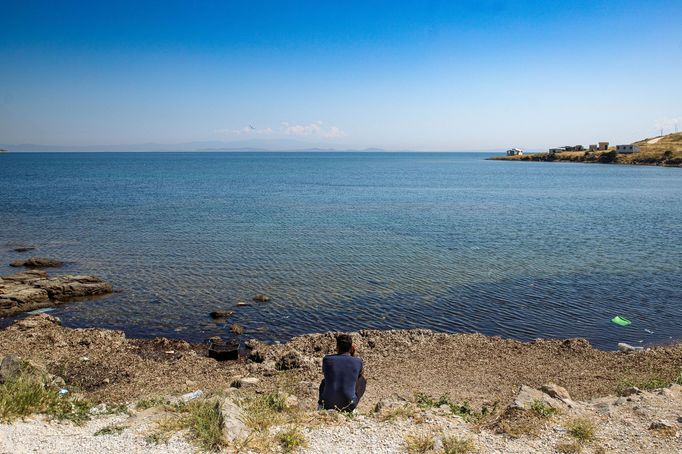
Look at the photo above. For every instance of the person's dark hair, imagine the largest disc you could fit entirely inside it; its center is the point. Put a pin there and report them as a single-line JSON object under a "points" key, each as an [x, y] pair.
{"points": [[343, 343]]}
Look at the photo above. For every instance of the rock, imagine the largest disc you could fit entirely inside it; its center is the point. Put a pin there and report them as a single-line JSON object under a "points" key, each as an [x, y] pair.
{"points": [[290, 401], [23, 248], [623, 347], [221, 314], [237, 328], [233, 421], [527, 396], [242, 303], [247, 382], [632, 390], [99, 409], [555, 391], [260, 298], [256, 356], [37, 262], [390, 403], [34, 289], [10, 368], [662, 424], [288, 361]]}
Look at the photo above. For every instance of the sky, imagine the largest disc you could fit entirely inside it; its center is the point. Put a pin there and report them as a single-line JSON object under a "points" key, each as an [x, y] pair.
{"points": [[421, 75]]}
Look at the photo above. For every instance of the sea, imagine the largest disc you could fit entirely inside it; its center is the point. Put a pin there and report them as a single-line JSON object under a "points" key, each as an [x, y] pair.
{"points": [[348, 241]]}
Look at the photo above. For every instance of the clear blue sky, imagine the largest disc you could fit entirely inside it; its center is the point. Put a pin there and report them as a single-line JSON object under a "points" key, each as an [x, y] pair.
{"points": [[440, 75]]}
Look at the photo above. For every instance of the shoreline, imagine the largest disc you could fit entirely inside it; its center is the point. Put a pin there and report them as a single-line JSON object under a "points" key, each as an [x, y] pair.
{"points": [[480, 390], [42, 339]]}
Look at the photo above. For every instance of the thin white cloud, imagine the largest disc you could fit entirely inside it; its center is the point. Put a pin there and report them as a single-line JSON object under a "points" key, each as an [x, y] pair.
{"points": [[316, 129], [245, 131]]}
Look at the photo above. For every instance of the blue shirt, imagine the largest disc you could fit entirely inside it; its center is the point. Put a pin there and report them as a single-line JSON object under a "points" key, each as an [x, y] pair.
{"points": [[341, 374]]}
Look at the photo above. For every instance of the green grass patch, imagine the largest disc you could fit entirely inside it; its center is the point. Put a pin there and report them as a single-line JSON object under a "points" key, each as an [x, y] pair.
{"points": [[463, 410], [151, 403], [581, 429], [262, 412], [291, 439], [27, 394], [648, 384], [542, 409], [201, 418]]}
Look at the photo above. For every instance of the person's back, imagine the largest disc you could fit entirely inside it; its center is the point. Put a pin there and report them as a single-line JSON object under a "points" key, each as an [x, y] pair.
{"points": [[343, 383]]}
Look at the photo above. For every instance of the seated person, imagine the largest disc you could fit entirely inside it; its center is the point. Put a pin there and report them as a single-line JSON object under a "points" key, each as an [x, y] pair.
{"points": [[343, 383]]}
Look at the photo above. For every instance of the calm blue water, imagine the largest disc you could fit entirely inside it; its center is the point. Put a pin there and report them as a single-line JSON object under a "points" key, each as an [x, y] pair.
{"points": [[345, 241]]}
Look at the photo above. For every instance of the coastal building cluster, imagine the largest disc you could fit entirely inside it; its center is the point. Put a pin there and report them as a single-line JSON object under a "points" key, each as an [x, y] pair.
{"points": [[600, 146]]}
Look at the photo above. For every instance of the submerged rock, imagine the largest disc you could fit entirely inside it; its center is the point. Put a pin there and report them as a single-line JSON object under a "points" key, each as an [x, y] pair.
{"points": [[261, 298], [34, 289], [23, 248], [237, 328], [221, 314], [37, 262]]}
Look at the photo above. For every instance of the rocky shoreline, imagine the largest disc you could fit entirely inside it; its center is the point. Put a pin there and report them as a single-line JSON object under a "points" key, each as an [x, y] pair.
{"points": [[35, 289], [475, 372]]}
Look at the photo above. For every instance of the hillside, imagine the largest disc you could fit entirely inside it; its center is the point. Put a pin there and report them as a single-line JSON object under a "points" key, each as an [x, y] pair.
{"points": [[664, 151]]}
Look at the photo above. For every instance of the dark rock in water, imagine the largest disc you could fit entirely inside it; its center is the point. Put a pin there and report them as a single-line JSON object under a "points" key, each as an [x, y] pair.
{"points": [[23, 249], [34, 289], [37, 262], [291, 360], [261, 298], [221, 314], [223, 351], [237, 328]]}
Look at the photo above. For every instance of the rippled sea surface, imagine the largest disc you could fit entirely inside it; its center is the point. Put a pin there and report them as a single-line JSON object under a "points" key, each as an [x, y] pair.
{"points": [[345, 241]]}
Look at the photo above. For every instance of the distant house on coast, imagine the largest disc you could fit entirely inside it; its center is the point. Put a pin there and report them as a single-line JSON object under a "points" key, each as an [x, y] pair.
{"points": [[514, 152], [566, 148], [627, 148]]}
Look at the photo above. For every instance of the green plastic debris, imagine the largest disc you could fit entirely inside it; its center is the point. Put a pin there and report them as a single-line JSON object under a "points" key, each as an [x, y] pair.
{"points": [[620, 321]]}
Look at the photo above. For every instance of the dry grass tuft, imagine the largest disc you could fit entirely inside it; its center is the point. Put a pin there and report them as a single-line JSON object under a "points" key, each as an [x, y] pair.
{"points": [[455, 445], [419, 443]]}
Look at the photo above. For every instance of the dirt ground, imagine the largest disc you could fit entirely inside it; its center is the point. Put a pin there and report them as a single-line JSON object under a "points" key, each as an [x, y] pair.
{"points": [[104, 365]]}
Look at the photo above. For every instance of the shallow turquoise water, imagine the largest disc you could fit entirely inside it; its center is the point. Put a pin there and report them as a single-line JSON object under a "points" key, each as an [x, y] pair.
{"points": [[344, 241]]}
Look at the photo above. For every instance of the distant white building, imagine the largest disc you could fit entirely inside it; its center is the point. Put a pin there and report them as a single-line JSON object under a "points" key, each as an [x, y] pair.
{"points": [[514, 152], [557, 150], [627, 148]]}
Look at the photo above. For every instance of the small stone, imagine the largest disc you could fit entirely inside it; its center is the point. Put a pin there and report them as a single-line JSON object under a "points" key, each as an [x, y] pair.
{"points": [[261, 298], [632, 390], [662, 424], [242, 303], [221, 314], [84, 359], [556, 391], [37, 262], [237, 329], [248, 382]]}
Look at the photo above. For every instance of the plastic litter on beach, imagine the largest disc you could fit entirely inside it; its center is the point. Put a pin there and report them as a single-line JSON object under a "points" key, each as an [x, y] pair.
{"points": [[191, 396], [40, 311], [63, 392], [648, 331], [621, 321]]}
